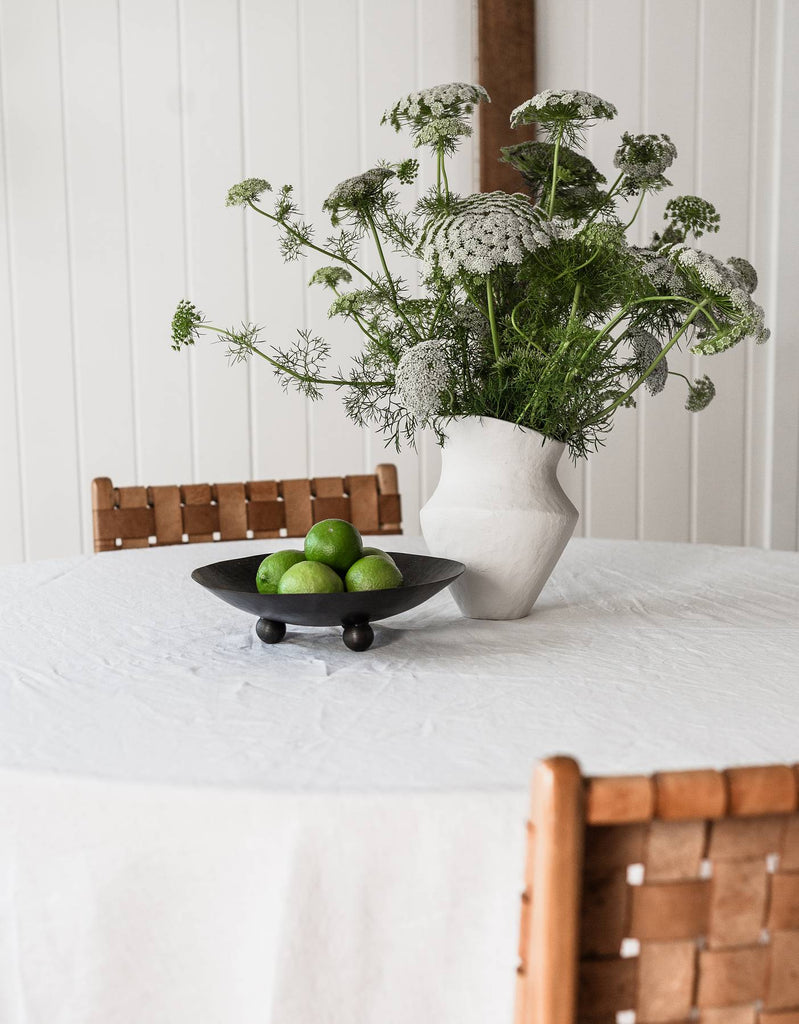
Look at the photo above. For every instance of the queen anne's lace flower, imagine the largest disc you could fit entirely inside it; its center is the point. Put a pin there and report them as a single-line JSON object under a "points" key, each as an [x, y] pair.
{"points": [[430, 369], [700, 394], [559, 105], [247, 191], [577, 193], [422, 374], [721, 279], [441, 101], [444, 130], [747, 273], [660, 271], [330, 277], [359, 194], [186, 324], [646, 348], [690, 215], [643, 159], [485, 231]]}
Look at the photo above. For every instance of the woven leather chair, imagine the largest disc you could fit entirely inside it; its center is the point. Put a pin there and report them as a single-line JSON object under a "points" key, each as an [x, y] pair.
{"points": [[140, 517], [671, 898]]}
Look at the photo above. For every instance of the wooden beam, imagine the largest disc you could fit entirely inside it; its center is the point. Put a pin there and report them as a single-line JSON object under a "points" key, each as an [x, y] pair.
{"points": [[506, 54]]}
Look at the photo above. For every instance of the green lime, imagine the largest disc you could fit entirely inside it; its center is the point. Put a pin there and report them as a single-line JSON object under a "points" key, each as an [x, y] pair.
{"points": [[310, 578], [380, 553], [273, 567], [334, 542], [373, 573]]}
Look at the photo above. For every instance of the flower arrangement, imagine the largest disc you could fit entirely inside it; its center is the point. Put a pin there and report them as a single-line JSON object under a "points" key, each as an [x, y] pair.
{"points": [[531, 308]]}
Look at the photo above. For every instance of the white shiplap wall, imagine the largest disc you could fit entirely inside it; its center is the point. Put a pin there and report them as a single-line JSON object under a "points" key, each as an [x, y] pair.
{"points": [[123, 124], [720, 77]]}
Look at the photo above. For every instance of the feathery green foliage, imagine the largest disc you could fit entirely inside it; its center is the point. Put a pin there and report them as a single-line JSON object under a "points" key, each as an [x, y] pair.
{"points": [[534, 309]]}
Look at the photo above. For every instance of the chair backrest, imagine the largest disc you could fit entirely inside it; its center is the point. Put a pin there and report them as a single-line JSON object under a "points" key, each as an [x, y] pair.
{"points": [[140, 517], [662, 899]]}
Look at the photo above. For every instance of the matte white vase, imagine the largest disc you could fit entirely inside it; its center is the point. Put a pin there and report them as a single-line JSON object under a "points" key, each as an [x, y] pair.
{"points": [[500, 510]]}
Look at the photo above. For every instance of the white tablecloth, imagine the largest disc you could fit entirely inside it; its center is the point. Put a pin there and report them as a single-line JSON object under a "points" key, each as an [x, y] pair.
{"points": [[197, 827]]}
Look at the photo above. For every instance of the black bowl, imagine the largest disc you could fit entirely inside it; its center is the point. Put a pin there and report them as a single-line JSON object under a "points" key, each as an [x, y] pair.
{"points": [[234, 581]]}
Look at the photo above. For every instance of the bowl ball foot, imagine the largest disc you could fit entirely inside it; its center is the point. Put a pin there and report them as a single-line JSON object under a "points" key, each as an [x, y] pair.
{"points": [[269, 631], [358, 638]]}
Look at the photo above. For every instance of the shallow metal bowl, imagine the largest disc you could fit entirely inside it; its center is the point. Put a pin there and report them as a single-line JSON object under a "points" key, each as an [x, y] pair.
{"points": [[234, 581]]}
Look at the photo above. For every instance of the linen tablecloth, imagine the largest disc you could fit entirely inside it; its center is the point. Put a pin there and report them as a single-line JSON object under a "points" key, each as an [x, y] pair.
{"points": [[198, 827]]}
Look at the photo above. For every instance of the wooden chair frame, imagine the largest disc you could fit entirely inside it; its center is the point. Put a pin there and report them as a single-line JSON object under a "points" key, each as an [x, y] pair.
{"points": [[135, 517], [661, 899]]}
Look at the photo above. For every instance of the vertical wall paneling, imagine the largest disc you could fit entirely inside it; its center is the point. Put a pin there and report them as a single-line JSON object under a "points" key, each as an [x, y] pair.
{"points": [[12, 533], [38, 229], [331, 122], [785, 472], [562, 61], [212, 125], [613, 476], [388, 42], [765, 68], [664, 458], [716, 76], [151, 117], [123, 125], [724, 127], [95, 203], [272, 149], [446, 53]]}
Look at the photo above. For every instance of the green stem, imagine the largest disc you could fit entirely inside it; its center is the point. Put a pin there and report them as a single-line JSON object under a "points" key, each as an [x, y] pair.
{"points": [[492, 316], [521, 333], [573, 270], [577, 290], [389, 279], [336, 381], [437, 313], [551, 203], [444, 176], [605, 201], [474, 301], [630, 223], [662, 355], [310, 245]]}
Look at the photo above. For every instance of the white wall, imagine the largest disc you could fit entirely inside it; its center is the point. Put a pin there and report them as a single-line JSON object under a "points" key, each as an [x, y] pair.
{"points": [[123, 124], [720, 77]]}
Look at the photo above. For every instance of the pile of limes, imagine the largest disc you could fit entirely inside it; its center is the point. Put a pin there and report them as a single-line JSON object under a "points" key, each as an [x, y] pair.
{"points": [[333, 559]]}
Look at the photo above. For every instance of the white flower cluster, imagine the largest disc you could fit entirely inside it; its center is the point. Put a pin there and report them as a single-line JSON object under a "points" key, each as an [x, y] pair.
{"points": [[660, 271], [644, 158], [745, 271], [422, 374], [471, 320], [357, 193], [723, 280], [441, 129], [441, 101], [562, 105], [486, 230], [429, 369], [646, 348], [700, 394]]}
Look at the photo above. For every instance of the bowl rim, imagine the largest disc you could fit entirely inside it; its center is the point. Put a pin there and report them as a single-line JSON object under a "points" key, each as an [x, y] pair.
{"points": [[455, 569]]}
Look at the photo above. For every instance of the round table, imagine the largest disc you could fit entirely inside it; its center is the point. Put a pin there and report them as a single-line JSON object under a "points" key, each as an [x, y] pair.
{"points": [[198, 826]]}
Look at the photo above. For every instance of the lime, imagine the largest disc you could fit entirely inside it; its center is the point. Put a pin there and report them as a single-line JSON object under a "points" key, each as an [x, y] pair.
{"points": [[273, 567], [380, 553], [373, 573], [334, 542], [310, 578]]}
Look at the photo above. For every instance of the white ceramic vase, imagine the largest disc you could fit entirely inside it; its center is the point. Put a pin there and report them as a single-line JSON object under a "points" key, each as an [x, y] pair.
{"points": [[500, 510]]}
